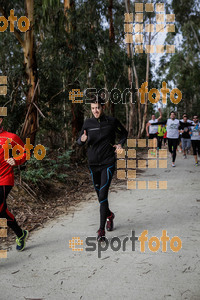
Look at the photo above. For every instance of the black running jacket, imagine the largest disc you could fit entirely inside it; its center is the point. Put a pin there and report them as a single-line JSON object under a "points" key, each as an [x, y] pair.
{"points": [[101, 138]]}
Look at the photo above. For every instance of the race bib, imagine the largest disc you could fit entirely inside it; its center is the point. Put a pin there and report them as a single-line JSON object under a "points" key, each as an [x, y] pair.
{"points": [[195, 133]]}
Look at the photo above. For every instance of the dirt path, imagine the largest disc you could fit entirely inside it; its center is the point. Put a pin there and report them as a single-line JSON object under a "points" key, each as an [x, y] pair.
{"points": [[49, 269]]}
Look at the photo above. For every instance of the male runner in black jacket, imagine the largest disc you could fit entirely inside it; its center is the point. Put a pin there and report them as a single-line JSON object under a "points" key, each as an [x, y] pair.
{"points": [[100, 131]]}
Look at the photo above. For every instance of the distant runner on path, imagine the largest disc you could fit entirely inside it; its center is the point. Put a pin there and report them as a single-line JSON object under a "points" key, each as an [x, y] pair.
{"points": [[7, 182], [161, 133], [180, 133], [172, 133], [195, 138], [100, 132], [152, 130], [185, 138]]}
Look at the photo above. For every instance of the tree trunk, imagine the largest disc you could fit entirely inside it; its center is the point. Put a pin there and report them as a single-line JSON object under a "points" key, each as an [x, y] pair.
{"points": [[76, 110], [111, 28], [195, 35], [112, 40], [127, 121], [131, 71], [31, 121], [30, 125], [146, 95], [66, 137], [68, 4]]}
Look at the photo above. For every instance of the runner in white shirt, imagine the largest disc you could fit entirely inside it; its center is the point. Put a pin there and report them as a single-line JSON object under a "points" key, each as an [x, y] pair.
{"points": [[152, 130], [172, 134], [195, 138]]}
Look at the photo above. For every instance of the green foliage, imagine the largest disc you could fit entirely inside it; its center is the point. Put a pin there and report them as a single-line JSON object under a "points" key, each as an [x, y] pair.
{"points": [[83, 56], [39, 170]]}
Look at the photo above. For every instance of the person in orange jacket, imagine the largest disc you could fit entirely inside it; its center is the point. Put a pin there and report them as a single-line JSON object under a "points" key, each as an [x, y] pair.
{"points": [[10, 140]]}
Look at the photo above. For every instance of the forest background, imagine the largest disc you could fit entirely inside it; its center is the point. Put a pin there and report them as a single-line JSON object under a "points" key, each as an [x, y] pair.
{"points": [[74, 44]]}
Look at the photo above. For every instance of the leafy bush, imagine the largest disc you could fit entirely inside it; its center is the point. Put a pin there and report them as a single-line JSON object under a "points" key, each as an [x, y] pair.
{"points": [[47, 168]]}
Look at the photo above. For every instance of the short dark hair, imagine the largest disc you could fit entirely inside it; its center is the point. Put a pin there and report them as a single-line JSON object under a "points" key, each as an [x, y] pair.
{"points": [[97, 100], [172, 112]]}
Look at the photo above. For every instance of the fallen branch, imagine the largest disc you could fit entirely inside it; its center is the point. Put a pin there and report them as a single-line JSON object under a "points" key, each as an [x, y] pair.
{"points": [[28, 187], [28, 192]]}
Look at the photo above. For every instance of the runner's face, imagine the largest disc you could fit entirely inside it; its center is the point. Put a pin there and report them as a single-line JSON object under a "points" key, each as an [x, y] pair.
{"points": [[185, 119], [195, 119], [96, 109], [173, 116], [153, 117]]}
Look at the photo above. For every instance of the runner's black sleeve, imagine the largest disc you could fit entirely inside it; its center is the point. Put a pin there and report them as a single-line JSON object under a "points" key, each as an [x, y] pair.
{"points": [[160, 123], [183, 125], [79, 142], [121, 131]]}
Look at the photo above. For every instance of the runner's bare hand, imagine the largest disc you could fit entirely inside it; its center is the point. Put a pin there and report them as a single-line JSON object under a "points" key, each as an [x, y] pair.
{"points": [[118, 148], [84, 137], [11, 161]]}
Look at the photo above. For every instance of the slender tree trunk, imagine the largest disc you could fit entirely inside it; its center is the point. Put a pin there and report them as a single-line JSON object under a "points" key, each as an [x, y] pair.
{"points": [[76, 111], [195, 35], [127, 116], [68, 4], [131, 71], [146, 95], [111, 28], [66, 137], [30, 126], [112, 40]]}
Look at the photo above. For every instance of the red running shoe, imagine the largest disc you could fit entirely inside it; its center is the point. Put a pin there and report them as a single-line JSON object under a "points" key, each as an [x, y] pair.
{"points": [[110, 223], [101, 235]]}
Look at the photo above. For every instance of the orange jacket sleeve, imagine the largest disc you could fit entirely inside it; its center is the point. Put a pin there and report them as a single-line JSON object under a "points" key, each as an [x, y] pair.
{"points": [[15, 153]]}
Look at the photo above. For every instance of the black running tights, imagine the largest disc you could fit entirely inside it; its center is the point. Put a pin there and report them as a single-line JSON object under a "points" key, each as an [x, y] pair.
{"points": [[102, 176], [5, 213], [173, 143]]}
